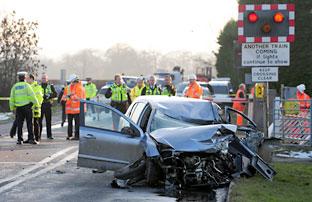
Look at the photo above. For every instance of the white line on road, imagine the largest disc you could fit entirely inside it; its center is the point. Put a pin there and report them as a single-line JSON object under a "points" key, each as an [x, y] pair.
{"points": [[56, 126], [24, 178], [39, 164]]}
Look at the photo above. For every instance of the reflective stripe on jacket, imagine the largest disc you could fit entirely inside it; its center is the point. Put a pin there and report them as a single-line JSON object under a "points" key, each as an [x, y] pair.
{"points": [[39, 95], [119, 93], [21, 95], [304, 100], [154, 91], [167, 91], [238, 105], [194, 91], [73, 94], [91, 90]]}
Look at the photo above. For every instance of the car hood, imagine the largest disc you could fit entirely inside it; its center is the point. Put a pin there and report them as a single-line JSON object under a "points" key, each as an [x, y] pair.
{"points": [[196, 138]]}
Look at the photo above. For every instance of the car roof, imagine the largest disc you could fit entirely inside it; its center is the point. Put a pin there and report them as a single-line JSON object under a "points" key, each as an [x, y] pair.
{"points": [[130, 77], [221, 83]]}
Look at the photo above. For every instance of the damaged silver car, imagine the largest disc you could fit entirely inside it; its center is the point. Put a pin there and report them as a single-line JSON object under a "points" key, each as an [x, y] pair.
{"points": [[179, 142]]}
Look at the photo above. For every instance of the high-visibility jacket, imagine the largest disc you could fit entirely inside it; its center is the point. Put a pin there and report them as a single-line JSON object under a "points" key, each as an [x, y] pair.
{"points": [[39, 95], [91, 90], [22, 94], [304, 100], [73, 93], [49, 92], [154, 91], [168, 90], [119, 93], [237, 104], [194, 90], [136, 92]]}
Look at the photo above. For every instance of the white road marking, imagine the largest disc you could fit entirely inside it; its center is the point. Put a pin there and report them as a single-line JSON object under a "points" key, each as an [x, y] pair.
{"points": [[18, 162], [56, 126], [24, 178], [39, 164]]}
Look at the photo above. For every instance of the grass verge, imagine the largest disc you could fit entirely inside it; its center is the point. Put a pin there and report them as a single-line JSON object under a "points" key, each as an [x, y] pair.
{"points": [[293, 182]]}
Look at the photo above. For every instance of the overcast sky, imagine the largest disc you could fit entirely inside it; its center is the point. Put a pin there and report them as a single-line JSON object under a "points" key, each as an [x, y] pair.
{"points": [[161, 25]]}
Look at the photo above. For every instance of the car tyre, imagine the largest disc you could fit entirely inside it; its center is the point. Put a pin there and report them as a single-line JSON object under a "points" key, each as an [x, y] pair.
{"points": [[152, 172], [131, 171]]}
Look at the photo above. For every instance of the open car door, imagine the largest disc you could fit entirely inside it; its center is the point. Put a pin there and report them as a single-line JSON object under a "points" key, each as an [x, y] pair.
{"points": [[108, 139], [237, 147]]}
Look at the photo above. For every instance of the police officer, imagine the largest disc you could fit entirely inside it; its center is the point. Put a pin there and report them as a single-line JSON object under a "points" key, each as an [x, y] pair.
{"points": [[168, 89], [119, 94], [136, 91], [91, 91], [48, 94], [151, 88], [120, 99], [22, 98], [90, 88], [36, 108]]}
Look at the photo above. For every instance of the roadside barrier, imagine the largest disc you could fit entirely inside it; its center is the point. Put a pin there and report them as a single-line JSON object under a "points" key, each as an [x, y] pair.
{"points": [[291, 122]]}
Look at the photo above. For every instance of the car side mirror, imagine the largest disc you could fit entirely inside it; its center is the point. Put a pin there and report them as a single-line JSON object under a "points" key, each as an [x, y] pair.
{"points": [[129, 131]]}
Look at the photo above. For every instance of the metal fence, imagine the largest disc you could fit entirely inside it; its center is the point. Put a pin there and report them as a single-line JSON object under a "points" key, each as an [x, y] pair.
{"points": [[292, 121]]}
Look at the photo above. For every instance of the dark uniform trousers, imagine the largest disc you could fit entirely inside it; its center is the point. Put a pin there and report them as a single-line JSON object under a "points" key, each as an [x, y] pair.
{"points": [[70, 118], [37, 128], [122, 107], [22, 113], [63, 103], [46, 112]]}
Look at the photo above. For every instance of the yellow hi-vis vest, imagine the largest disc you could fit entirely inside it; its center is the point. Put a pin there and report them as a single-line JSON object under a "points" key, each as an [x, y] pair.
{"points": [[136, 92], [90, 90], [154, 91], [119, 93], [39, 95], [22, 94]]}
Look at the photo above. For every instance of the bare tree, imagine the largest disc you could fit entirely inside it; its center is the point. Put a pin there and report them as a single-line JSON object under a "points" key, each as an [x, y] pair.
{"points": [[18, 49]]}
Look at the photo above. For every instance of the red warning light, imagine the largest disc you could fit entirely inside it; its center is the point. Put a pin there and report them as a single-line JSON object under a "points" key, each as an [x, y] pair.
{"points": [[253, 17], [278, 17]]}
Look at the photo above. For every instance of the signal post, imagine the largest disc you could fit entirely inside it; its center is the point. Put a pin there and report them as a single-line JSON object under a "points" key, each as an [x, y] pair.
{"points": [[265, 32]]}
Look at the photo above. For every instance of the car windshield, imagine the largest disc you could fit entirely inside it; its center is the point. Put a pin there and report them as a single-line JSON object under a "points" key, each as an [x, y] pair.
{"points": [[161, 120], [130, 82], [220, 89]]}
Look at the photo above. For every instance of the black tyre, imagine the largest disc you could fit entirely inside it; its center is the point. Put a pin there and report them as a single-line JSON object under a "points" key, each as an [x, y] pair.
{"points": [[152, 172], [131, 171]]}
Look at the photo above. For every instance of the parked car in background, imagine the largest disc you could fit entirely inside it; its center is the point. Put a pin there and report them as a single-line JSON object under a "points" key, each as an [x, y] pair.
{"points": [[130, 81], [101, 94], [222, 90], [190, 147]]}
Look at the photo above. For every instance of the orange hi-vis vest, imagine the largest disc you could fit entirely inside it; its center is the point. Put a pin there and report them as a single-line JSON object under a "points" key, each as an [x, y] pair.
{"points": [[305, 100], [194, 91], [73, 94], [237, 104]]}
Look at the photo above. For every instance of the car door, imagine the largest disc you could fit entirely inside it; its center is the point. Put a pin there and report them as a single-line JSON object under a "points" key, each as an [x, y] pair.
{"points": [[108, 139]]}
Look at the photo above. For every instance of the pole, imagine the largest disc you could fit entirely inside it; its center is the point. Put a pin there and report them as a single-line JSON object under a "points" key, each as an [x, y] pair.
{"points": [[267, 109]]}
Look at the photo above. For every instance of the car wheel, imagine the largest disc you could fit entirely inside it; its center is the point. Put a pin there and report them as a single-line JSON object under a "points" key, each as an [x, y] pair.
{"points": [[152, 172], [131, 171]]}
